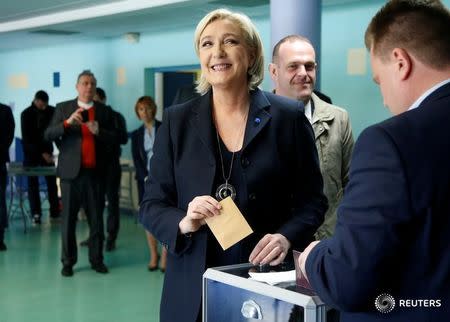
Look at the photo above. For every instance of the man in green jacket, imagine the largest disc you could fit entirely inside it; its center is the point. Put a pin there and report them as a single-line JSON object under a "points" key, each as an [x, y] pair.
{"points": [[293, 71]]}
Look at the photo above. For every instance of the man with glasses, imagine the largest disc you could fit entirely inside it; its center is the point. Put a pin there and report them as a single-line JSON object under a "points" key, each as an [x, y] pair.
{"points": [[293, 71]]}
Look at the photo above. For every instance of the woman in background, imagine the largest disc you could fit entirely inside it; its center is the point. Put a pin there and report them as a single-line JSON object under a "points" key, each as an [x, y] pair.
{"points": [[142, 140]]}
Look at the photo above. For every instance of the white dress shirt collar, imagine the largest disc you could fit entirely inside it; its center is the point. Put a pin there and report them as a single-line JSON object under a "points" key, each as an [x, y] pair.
{"points": [[308, 111], [86, 106], [427, 93]]}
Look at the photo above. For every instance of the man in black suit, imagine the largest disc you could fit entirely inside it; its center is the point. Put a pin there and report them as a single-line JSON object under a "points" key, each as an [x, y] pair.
{"points": [[39, 152], [6, 138], [389, 258], [85, 128], [113, 174]]}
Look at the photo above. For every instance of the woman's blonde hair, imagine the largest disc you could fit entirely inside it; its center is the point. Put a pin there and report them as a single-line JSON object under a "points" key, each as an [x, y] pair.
{"points": [[252, 41]]}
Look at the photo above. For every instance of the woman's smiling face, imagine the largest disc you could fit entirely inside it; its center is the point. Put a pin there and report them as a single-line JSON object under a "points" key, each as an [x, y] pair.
{"points": [[224, 56]]}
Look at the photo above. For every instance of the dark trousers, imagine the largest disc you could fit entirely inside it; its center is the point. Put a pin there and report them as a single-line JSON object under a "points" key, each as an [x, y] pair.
{"points": [[34, 197], [3, 214], [86, 189], [112, 187]]}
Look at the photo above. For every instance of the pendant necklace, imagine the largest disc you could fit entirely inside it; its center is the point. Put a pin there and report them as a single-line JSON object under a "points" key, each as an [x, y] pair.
{"points": [[226, 189]]}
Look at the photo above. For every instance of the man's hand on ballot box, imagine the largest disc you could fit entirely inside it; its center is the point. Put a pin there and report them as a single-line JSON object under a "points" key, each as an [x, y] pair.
{"points": [[303, 256]]}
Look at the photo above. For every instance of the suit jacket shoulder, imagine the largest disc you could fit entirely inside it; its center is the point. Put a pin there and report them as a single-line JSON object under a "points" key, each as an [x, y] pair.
{"points": [[283, 103], [136, 132], [65, 104]]}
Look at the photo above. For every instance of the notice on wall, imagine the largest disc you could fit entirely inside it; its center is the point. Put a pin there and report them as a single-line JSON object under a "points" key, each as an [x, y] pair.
{"points": [[356, 61], [18, 81], [121, 76]]}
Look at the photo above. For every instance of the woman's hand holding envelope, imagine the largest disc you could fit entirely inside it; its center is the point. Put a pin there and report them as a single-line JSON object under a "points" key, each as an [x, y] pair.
{"points": [[199, 208]]}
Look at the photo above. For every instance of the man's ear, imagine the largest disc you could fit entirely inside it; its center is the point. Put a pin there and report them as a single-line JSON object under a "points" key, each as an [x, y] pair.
{"points": [[273, 71], [403, 61]]}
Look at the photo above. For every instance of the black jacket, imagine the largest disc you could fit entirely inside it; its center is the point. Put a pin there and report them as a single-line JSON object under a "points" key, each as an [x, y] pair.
{"points": [[6, 132], [113, 149], [34, 122]]}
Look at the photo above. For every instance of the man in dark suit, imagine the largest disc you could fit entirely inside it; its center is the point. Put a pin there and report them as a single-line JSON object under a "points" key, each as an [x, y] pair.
{"points": [[85, 128], [389, 258], [39, 152], [6, 138]]}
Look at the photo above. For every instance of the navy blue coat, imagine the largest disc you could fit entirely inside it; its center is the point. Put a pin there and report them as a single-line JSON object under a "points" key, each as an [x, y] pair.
{"points": [[140, 157], [138, 151], [393, 228], [282, 180]]}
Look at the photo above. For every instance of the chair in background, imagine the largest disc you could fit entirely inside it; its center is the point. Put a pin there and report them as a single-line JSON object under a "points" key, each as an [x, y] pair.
{"points": [[127, 188], [17, 190], [18, 187]]}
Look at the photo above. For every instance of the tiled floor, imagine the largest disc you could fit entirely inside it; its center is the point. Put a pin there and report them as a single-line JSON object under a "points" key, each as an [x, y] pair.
{"points": [[32, 288]]}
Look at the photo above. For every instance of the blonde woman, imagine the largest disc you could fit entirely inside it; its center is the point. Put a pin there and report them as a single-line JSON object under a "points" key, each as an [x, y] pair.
{"points": [[233, 141]]}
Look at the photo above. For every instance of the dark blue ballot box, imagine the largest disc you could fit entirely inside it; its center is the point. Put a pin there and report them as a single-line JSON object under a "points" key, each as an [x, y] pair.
{"points": [[230, 296]]}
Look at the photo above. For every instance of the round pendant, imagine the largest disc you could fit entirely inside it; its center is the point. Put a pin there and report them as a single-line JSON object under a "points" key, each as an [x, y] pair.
{"points": [[225, 190]]}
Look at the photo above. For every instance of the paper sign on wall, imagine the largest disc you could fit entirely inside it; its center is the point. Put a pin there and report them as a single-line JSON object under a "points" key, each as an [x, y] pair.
{"points": [[121, 76], [18, 81], [356, 61]]}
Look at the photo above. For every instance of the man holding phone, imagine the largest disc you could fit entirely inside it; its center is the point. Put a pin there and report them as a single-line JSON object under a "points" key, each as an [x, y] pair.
{"points": [[84, 128]]}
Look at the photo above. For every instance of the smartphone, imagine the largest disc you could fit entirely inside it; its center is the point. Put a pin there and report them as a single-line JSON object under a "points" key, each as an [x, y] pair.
{"points": [[85, 116]]}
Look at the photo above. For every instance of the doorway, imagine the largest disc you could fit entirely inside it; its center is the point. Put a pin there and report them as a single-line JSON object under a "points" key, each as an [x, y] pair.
{"points": [[162, 83]]}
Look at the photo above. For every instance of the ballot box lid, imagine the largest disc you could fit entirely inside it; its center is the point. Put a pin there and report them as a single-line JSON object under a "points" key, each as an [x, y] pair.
{"points": [[238, 276]]}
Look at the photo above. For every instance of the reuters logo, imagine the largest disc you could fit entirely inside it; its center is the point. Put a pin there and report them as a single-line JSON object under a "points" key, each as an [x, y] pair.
{"points": [[384, 303]]}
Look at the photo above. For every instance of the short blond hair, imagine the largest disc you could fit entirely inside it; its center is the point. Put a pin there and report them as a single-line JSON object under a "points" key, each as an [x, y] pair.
{"points": [[252, 41]]}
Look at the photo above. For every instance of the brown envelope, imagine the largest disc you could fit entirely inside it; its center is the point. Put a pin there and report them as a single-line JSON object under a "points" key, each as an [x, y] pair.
{"points": [[230, 226]]}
